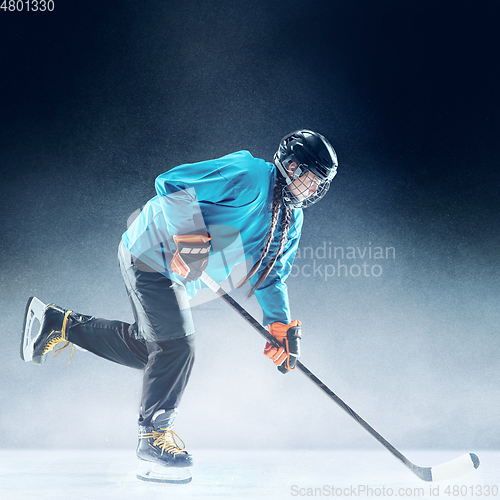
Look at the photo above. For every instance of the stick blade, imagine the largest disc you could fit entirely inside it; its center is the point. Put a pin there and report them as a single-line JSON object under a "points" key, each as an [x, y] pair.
{"points": [[459, 467]]}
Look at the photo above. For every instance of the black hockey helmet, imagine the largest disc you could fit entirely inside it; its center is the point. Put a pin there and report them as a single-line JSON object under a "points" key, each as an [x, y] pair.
{"points": [[311, 152]]}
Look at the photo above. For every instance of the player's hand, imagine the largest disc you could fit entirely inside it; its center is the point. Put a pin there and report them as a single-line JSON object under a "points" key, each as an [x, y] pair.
{"points": [[191, 256], [289, 336]]}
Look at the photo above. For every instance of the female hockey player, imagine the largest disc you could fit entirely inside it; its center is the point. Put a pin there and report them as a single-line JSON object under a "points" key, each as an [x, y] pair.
{"points": [[207, 216]]}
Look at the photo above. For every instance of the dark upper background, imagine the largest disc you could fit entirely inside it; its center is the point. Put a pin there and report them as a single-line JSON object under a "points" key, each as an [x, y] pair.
{"points": [[98, 98]]}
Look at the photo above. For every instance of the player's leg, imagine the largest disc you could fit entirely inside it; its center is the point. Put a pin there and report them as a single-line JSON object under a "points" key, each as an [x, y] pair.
{"points": [[164, 321], [116, 341], [161, 312], [113, 340], [165, 378]]}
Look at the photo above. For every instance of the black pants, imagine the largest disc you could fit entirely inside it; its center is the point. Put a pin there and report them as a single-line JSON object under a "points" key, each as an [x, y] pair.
{"points": [[160, 342]]}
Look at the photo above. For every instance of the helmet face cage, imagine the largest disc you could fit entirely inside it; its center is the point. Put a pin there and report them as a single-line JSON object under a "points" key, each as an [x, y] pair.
{"points": [[291, 200], [311, 152]]}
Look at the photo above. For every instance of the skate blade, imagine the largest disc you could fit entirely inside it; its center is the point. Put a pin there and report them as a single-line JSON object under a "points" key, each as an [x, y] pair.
{"points": [[31, 328], [148, 471]]}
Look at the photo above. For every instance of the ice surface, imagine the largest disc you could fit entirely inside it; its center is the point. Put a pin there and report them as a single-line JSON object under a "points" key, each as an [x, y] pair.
{"points": [[266, 474]]}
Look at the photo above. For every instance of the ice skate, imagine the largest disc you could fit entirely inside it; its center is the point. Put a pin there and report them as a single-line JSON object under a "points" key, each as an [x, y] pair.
{"points": [[53, 323], [160, 457]]}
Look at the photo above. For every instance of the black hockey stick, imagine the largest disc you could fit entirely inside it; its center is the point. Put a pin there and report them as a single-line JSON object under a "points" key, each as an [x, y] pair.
{"points": [[458, 467]]}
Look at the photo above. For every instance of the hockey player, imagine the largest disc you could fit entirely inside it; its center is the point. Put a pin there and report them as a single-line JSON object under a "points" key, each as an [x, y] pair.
{"points": [[206, 216]]}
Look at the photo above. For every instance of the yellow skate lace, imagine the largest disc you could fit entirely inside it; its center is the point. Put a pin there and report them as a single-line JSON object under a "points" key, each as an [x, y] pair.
{"points": [[165, 440], [57, 340]]}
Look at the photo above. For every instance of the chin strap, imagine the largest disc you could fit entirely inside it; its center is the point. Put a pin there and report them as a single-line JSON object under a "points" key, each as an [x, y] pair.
{"points": [[283, 171]]}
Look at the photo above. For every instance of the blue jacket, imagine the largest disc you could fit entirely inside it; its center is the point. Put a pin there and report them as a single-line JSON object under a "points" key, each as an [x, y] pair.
{"points": [[231, 198]]}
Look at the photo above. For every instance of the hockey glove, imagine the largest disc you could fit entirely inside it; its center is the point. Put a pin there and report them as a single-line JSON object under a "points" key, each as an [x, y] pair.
{"points": [[284, 357], [191, 257]]}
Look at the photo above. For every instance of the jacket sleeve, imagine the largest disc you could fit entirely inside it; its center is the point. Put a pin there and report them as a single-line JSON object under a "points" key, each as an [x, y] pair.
{"points": [[273, 294]]}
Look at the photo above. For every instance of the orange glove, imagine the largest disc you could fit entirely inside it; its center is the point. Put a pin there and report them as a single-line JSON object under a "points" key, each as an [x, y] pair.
{"points": [[191, 257], [289, 336]]}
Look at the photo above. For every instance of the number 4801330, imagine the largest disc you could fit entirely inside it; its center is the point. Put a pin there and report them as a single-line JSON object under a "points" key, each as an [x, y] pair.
{"points": [[28, 5]]}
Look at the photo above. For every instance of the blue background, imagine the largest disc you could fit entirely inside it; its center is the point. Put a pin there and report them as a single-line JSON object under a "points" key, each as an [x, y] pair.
{"points": [[98, 98]]}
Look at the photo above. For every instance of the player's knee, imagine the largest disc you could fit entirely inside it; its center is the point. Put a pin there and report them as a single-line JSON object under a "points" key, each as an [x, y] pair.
{"points": [[182, 348]]}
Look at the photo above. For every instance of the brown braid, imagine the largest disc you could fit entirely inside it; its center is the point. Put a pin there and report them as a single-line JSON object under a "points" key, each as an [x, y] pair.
{"points": [[284, 232]]}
